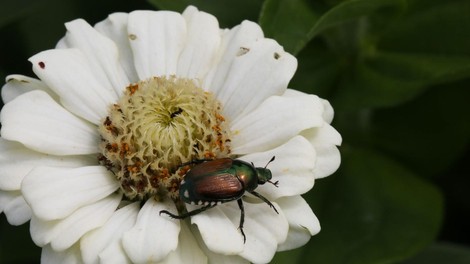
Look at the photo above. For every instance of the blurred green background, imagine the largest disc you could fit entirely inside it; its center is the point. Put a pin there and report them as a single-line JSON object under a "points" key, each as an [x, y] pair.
{"points": [[396, 72]]}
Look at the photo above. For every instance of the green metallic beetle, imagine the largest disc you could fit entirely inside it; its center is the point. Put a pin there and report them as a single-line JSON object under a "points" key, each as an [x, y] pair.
{"points": [[219, 181]]}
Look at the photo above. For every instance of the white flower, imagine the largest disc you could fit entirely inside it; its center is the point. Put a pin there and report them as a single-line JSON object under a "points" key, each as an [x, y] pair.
{"points": [[91, 152]]}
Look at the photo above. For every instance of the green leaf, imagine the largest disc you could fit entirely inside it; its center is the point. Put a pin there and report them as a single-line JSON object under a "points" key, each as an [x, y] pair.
{"points": [[429, 133], [317, 72], [372, 211], [388, 79], [291, 256], [440, 28], [354, 9], [228, 12], [429, 45], [11, 10], [288, 22], [442, 253], [294, 23]]}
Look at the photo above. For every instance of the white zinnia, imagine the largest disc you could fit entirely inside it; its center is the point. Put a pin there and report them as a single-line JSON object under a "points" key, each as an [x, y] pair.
{"points": [[58, 164]]}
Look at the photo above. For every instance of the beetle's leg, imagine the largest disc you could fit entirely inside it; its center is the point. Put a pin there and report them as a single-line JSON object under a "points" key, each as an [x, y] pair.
{"points": [[193, 212], [242, 218], [264, 200]]}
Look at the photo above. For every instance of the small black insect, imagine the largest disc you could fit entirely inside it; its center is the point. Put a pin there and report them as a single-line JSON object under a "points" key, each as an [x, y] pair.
{"points": [[176, 113]]}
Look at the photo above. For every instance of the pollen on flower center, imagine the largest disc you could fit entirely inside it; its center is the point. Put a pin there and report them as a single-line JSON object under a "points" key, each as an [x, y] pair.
{"points": [[156, 126]]}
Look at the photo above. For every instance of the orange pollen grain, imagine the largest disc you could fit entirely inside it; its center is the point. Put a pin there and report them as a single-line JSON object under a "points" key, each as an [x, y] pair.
{"points": [[209, 155], [132, 88], [219, 117], [124, 149]]}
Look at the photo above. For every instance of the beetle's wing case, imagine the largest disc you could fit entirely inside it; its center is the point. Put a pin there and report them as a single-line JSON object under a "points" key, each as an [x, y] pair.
{"points": [[209, 167], [219, 187]]}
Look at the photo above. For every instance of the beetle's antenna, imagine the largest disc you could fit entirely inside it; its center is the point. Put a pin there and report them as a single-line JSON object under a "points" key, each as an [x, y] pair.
{"points": [[276, 183], [272, 159]]}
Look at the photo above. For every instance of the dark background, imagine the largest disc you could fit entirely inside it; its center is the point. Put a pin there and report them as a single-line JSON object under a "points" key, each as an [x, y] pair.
{"points": [[397, 74]]}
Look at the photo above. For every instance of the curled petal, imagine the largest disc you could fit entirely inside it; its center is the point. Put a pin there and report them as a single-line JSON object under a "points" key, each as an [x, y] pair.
{"points": [[262, 68], [153, 236], [329, 159], [19, 84], [68, 73], [100, 52], [44, 187], [218, 230], [115, 28], [302, 222], [69, 256], [293, 168], [114, 253], [15, 207], [328, 111], [264, 230], [63, 233], [38, 122], [202, 44], [188, 250], [325, 140], [232, 44], [99, 243], [286, 115], [16, 161], [157, 39]]}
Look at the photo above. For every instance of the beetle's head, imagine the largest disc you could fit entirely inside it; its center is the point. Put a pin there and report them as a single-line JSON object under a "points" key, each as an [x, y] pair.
{"points": [[265, 175]]}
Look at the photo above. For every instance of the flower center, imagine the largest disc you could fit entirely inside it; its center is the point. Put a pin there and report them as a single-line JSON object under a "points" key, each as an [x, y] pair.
{"points": [[156, 126]]}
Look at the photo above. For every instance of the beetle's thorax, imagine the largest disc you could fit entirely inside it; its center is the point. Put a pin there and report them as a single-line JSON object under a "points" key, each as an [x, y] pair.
{"points": [[246, 173]]}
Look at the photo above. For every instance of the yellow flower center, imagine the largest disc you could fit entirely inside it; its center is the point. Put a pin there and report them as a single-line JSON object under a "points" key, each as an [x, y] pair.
{"points": [[156, 126]]}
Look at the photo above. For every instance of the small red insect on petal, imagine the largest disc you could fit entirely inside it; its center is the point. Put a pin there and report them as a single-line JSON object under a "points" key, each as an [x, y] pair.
{"points": [[42, 65]]}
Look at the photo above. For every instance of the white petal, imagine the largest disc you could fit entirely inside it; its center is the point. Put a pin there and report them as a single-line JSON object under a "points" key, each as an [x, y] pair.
{"points": [[211, 255], [188, 250], [19, 84], [264, 230], [38, 122], [115, 28], [18, 211], [324, 135], [202, 44], [68, 73], [225, 259], [63, 233], [325, 139], [101, 53], [302, 222], [328, 111], [109, 236], [260, 70], [16, 161], [153, 237], [293, 168], [15, 207], [157, 39], [114, 253], [219, 229], [275, 121], [69, 256], [328, 161], [6, 197], [231, 44], [55, 192]]}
